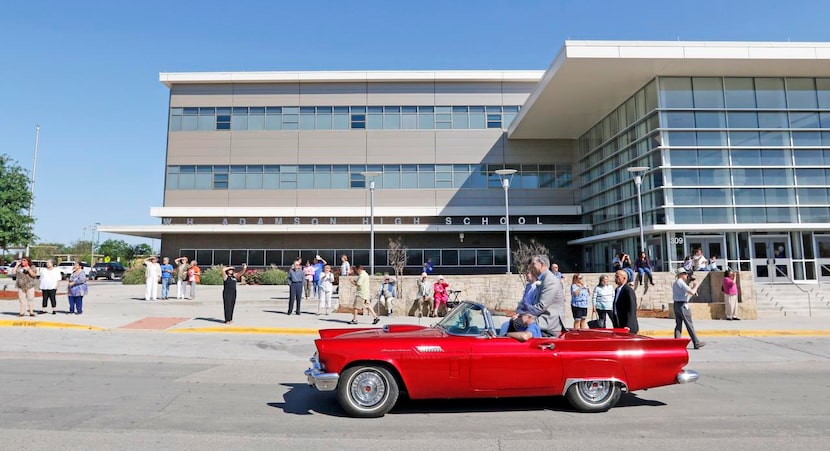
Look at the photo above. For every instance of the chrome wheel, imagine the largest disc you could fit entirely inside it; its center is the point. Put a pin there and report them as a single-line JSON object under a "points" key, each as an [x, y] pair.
{"points": [[593, 395], [594, 391], [368, 388]]}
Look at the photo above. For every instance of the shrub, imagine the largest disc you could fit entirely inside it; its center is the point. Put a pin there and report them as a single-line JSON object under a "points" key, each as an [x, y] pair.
{"points": [[212, 276], [273, 276], [134, 276]]}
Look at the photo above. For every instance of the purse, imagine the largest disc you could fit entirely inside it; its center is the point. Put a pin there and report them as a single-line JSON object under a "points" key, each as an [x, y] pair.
{"points": [[594, 323]]}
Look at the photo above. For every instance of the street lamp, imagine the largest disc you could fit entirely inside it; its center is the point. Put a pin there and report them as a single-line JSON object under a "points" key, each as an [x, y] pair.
{"points": [[505, 175], [639, 181], [92, 230], [370, 177], [32, 184]]}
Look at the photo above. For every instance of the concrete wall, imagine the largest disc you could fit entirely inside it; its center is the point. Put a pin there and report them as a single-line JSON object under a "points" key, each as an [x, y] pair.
{"points": [[503, 292]]}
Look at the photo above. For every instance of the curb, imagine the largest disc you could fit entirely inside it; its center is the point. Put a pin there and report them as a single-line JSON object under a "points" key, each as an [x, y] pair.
{"points": [[46, 325]]}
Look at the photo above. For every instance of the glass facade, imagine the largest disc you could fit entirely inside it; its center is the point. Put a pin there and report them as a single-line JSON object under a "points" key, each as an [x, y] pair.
{"points": [[721, 150], [346, 176], [457, 117]]}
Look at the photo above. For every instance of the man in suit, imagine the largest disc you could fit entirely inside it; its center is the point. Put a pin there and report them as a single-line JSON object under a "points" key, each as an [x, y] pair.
{"points": [[548, 305], [624, 312]]}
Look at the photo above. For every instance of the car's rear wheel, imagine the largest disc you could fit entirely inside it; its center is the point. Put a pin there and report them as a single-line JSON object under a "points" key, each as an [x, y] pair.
{"points": [[367, 391], [110, 275], [593, 396]]}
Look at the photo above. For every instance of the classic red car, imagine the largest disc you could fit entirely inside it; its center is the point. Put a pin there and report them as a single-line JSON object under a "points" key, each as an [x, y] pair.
{"points": [[461, 357]]}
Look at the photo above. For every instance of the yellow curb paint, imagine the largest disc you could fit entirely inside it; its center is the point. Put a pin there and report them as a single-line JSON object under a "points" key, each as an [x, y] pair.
{"points": [[247, 330], [46, 325]]}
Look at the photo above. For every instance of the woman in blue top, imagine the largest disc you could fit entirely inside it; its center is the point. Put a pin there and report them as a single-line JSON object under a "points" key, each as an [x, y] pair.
{"points": [[603, 300], [77, 290], [579, 302]]}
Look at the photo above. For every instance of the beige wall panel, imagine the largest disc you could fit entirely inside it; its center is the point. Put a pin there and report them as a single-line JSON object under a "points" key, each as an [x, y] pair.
{"points": [[196, 198], [401, 94], [357, 198], [538, 151], [332, 147], [468, 146], [264, 147], [404, 198], [516, 93], [397, 147], [332, 94], [201, 95], [198, 147], [263, 198], [282, 94], [467, 93]]}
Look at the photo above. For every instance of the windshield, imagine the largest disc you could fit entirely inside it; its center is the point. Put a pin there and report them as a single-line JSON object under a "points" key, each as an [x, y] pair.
{"points": [[467, 319]]}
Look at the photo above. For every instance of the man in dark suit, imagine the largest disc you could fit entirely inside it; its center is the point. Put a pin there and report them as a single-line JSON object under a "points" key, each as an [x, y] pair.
{"points": [[549, 304], [624, 312]]}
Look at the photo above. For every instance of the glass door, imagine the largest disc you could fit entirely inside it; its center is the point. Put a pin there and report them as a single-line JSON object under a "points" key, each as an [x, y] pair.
{"points": [[823, 261], [771, 260], [710, 245]]}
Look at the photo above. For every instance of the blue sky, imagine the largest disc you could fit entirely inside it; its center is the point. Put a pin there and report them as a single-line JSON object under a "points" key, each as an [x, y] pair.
{"points": [[87, 72]]}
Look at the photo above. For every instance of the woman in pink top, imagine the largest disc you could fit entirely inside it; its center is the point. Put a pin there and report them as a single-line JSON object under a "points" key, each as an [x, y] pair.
{"points": [[730, 294], [440, 295], [308, 274]]}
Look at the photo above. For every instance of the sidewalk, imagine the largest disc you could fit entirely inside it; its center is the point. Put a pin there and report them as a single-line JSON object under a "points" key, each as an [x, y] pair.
{"points": [[262, 310]]}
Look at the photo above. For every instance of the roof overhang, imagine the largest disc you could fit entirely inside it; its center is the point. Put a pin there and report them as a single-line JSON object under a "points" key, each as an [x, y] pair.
{"points": [[171, 78], [589, 79]]}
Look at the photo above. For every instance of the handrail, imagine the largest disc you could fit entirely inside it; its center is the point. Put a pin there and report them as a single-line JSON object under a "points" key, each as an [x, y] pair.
{"points": [[809, 298]]}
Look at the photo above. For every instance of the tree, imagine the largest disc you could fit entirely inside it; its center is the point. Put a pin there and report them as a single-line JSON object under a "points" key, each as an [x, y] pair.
{"points": [[523, 252], [116, 249], [16, 224], [141, 249], [397, 260]]}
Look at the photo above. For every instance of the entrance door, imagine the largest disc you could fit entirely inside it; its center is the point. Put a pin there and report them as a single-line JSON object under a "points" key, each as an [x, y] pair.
{"points": [[711, 245], [771, 261], [823, 242]]}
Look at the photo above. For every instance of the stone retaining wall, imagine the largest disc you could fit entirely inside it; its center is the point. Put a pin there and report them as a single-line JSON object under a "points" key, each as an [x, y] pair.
{"points": [[501, 292]]}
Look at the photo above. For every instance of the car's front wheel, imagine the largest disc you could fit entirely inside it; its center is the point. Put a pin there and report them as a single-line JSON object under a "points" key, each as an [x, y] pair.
{"points": [[593, 396], [110, 275], [367, 391]]}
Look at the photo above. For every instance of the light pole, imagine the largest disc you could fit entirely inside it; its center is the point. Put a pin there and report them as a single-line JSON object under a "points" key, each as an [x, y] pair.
{"points": [[639, 181], [370, 177], [32, 184], [505, 175], [93, 229]]}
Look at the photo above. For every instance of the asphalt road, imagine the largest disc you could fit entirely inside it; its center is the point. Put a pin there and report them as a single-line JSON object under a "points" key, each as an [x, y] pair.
{"points": [[64, 389]]}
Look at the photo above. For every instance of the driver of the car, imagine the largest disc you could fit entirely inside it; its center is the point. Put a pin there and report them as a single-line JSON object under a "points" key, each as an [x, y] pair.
{"points": [[523, 327]]}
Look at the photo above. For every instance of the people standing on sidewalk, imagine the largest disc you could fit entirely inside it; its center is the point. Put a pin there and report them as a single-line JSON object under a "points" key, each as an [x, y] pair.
{"points": [[440, 295], [152, 274], [77, 290], [166, 277], [326, 290], [25, 281], [194, 274], [345, 270], [308, 279], [318, 265], [229, 277], [362, 296], [625, 304], [580, 298], [680, 293], [295, 286], [730, 295], [181, 276], [49, 278], [603, 300]]}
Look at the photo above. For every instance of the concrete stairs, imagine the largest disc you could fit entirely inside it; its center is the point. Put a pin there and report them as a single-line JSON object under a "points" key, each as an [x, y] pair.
{"points": [[787, 300]]}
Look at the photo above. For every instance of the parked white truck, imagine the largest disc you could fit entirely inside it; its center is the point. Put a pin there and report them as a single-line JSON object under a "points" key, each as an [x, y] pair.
{"points": [[66, 268]]}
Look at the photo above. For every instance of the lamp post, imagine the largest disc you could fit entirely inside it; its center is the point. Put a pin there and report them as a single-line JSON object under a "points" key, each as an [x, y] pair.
{"points": [[505, 175], [93, 229], [370, 177], [639, 181], [32, 184]]}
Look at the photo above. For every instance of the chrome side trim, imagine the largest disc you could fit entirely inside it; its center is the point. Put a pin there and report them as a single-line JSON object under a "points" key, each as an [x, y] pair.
{"points": [[571, 381], [317, 378], [687, 376]]}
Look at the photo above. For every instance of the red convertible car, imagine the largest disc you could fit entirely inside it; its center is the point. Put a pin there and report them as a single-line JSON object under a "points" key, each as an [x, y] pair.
{"points": [[461, 357]]}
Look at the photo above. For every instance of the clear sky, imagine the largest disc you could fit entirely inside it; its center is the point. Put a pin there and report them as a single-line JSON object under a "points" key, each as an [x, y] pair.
{"points": [[87, 71]]}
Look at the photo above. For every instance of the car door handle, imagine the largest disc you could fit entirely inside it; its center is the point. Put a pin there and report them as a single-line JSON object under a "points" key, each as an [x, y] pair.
{"points": [[547, 346]]}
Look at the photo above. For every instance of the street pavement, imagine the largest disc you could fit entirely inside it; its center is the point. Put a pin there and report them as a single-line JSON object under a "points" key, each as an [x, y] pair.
{"points": [[111, 305]]}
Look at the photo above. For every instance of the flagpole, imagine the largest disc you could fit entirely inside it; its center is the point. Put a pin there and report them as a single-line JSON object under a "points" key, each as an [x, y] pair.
{"points": [[32, 185]]}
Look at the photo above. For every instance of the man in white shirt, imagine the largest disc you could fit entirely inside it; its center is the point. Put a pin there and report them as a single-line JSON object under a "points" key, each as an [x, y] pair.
{"points": [[49, 278], [152, 275], [701, 262]]}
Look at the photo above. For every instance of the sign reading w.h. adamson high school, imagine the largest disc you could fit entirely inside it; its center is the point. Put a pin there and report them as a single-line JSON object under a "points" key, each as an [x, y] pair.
{"points": [[431, 220]]}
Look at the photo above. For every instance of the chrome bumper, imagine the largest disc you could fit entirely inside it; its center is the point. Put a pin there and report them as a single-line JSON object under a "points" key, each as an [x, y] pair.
{"points": [[320, 380], [687, 376]]}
